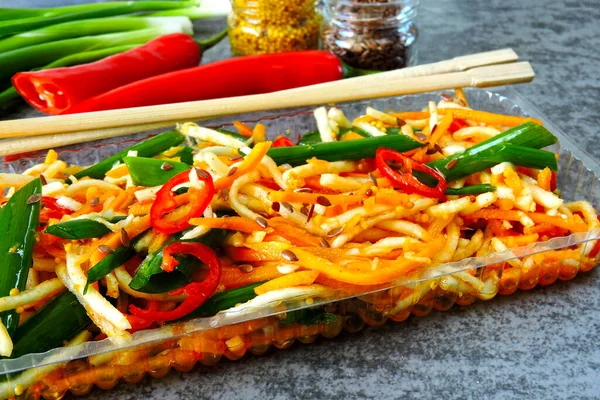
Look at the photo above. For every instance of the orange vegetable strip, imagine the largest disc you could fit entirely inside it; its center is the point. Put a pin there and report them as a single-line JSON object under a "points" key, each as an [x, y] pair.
{"points": [[351, 136], [140, 208], [259, 133], [245, 254], [250, 163], [544, 178], [243, 129], [440, 130], [487, 117], [240, 224], [460, 95], [233, 277], [570, 224], [301, 278], [366, 276], [134, 229], [118, 172], [313, 198], [516, 241]]}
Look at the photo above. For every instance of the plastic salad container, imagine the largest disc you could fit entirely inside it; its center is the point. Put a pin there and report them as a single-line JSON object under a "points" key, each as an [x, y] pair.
{"points": [[255, 329]]}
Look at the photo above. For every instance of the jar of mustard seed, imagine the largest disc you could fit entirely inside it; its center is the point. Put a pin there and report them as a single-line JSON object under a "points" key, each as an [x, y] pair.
{"points": [[371, 34], [273, 26]]}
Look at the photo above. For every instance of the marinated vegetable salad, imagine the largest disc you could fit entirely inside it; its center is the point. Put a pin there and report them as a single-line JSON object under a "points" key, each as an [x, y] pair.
{"points": [[196, 221]]}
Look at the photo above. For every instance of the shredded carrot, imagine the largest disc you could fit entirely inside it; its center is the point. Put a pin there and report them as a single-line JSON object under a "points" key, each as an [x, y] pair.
{"points": [[414, 115], [233, 277], [245, 254], [140, 208], [114, 240], [572, 224], [259, 133], [118, 172], [243, 129], [301, 278], [544, 178], [293, 234], [487, 117], [240, 224], [516, 241], [250, 163], [505, 204], [351, 136], [512, 180], [460, 96], [314, 198], [437, 134], [545, 229], [391, 197]]}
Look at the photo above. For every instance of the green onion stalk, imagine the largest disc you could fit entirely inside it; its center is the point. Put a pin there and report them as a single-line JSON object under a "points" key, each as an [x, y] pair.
{"points": [[14, 21]]}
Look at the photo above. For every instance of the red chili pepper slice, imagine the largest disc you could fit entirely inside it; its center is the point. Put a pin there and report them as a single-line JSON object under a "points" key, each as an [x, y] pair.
{"points": [[52, 210], [197, 292], [456, 125], [165, 203], [553, 181], [407, 181], [282, 141]]}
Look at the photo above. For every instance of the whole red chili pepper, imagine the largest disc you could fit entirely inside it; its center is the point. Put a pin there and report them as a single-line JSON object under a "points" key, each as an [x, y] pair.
{"points": [[165, 203], [407, 181], [197, 292], [55, 91], [282, 141], [233, 77]]}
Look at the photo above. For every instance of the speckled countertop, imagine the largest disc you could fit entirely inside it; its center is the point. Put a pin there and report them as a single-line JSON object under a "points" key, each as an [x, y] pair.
{"points": [[539, 344]]}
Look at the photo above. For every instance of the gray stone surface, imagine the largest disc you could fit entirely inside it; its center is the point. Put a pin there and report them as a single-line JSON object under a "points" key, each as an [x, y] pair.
{"points": [[539, 344]]}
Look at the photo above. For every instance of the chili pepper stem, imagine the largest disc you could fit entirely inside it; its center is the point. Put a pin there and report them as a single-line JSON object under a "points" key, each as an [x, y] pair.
{"points": [[349, 71], [211, 42]]}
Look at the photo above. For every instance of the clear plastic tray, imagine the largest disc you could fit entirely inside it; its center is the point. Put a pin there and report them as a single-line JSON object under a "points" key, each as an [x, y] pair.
{"points": [[232, 333]]}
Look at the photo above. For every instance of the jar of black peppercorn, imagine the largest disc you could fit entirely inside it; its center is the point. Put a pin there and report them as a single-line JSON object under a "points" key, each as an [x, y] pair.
{"points": [[371, 34]]}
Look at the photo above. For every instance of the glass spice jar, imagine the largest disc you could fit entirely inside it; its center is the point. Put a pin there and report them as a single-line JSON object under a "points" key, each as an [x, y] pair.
{"points": [[273, 26], [371, 34]]}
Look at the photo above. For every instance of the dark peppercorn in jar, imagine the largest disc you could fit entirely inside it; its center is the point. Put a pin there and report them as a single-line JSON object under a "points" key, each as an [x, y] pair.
{"points": [[371, 34]]}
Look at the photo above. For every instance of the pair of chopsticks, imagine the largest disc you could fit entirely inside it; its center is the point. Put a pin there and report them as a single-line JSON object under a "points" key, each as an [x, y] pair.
{"points": [[486, 69]]}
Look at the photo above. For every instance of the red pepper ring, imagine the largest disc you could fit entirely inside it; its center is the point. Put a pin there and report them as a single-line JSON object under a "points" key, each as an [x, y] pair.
{"points": [[197, 292], [283, 141], [407, 181], [165, 203]]}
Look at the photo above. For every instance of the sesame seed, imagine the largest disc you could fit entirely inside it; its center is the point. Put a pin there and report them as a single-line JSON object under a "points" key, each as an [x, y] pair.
{"points": [[262, 222], [34, 198], [166, 166], [334, 232], [438, 148], [310, 213], [235, 158], [433, 129], [105, 249], [289, 255], [95, 201], [372, 178], [431, 151], [324, 201], [202, 173], [446, 97], [304, 190], [224, 194], [451, 164], [125, 238], [232, 171], [400, 122], [304, 210], [275, 206], [324, 243], [247, 268], [43, 179], [421, 136], [288, 206]]}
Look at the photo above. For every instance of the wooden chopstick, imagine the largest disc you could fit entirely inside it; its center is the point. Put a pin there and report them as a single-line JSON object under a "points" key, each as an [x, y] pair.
{"points": [[145, 118], [170, 113]]}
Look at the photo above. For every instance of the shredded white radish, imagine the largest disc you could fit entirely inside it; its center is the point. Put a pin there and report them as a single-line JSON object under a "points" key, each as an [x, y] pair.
{"points": [[53, 189], [500, 168], [481, 201], [6, 344], [275, 297], [294, 175], [85, 184], [337, 115], [236, 204], [541, 196], [474, 131], [43, 290], [147, 193], [327, 134], [449, 207], [405, 227], [372, 130], [209, 135], [381, 116], [68, 203], [12, 180]]}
